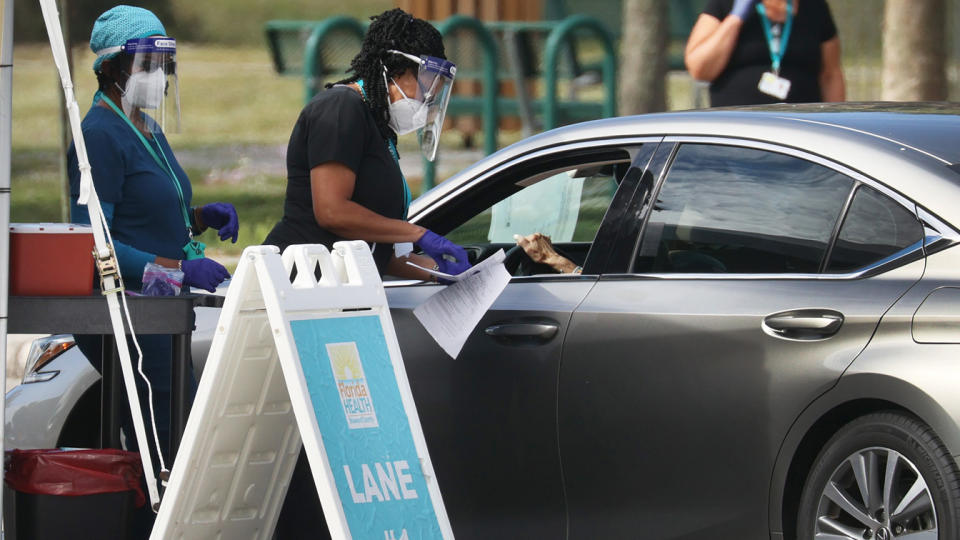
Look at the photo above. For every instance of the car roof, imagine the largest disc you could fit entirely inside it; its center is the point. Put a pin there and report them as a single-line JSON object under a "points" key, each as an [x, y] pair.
{"points": [[930, 127], [871, 138]]}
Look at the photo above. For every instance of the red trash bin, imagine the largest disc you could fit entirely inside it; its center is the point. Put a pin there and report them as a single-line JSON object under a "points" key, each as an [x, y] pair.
{"points": [[58, 493]]}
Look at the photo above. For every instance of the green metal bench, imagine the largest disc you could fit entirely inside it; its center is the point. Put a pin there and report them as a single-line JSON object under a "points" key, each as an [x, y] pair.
{"points": [[682, 14], [317, 63], [320, 51], [314, 50]]}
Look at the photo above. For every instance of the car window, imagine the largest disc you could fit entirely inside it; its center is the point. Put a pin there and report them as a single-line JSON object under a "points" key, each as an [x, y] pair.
{"points": [[876, 227], [726, 209], [568, 206]]}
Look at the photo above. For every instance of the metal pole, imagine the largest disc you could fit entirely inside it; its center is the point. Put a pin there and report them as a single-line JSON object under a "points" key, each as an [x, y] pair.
{"points": [[565, 30], [489, 112], [65, 119], [6, 98]]}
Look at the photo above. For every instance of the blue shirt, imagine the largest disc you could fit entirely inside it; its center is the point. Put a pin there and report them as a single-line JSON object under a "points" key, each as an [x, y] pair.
{"points": [[138, 197]]}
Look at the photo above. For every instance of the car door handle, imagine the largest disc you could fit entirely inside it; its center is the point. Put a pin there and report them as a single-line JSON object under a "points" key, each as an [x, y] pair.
{"points": [[523, 332], [803, 323]]}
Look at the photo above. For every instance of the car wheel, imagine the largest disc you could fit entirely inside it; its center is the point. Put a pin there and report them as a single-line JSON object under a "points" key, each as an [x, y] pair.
{"points": [[882, 476]]}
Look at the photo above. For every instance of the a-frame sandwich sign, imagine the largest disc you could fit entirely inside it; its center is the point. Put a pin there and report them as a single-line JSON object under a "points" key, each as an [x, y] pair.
{"points": [[311, 359]]}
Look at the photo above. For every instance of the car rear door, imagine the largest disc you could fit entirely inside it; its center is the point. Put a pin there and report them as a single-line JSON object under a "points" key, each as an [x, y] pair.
{"points": [[746, 298], [489, 415]]}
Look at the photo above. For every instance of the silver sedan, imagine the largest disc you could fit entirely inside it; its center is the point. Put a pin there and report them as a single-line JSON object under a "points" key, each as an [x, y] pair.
{"points": [[764, 340]]}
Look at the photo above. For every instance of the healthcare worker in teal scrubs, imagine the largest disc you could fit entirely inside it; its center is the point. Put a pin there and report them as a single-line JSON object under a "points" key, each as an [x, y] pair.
{"points": [[144, 193]]}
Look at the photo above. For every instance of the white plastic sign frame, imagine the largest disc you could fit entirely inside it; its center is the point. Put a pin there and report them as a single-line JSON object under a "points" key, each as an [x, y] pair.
{"points": [[311, 359]]}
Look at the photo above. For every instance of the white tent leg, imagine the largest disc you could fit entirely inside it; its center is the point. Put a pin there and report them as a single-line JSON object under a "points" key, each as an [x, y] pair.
{"points": [[6, 99]]}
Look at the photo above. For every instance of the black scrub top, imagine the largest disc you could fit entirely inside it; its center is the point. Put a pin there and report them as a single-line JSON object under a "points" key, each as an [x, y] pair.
{"points": [[737, 84], [337, 126]]}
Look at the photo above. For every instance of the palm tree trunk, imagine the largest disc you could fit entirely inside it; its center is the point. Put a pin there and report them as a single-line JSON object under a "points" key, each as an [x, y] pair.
{"points": [[642, 86], [914, 50]]}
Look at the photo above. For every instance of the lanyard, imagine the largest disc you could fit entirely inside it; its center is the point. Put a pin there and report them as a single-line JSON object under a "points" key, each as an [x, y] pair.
{"points": [[167, 169], [396, 157], [775, 40]]}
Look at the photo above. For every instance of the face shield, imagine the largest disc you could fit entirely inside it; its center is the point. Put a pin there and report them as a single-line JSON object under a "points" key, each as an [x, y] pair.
{"points": [[434, 82], [152, 85]]}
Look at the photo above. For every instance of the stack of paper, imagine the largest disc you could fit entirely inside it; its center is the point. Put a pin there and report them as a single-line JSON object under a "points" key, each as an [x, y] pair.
{"points": [[450, 315]]}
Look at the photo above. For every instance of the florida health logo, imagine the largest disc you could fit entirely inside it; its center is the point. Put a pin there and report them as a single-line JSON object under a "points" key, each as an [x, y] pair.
{"points": [[352, 385]]}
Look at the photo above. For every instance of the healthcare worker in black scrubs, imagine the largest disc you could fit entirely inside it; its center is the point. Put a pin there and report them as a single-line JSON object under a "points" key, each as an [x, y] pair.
{"points": [[343, 174], [766, 52], [344, 180]]}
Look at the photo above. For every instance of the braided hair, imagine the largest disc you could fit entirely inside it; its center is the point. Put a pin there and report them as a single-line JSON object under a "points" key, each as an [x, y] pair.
{"points": [[397, 30]]}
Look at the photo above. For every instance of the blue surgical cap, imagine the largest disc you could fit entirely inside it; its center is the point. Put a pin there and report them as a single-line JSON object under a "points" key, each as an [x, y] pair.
{"points": [[117, 25]]}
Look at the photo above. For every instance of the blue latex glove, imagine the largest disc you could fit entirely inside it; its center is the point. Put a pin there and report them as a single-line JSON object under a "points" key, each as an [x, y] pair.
{"points": [[223, 217], [450, 258], [741, 8], [204, 274]]}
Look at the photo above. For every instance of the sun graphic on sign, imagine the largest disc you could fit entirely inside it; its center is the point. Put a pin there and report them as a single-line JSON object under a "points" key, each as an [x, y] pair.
{"points": [[345, 360]]}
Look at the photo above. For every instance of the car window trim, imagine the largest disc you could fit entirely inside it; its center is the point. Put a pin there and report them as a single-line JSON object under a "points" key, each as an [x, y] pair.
{"points": [[937, 234], [668, 149], [632, 145], [835, 235], [621, 206], [859, 179], [549, 152]]}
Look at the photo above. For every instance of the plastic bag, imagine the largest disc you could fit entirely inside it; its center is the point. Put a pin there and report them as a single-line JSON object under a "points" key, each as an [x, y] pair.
{"points": [[161, 281], [74, 472]]}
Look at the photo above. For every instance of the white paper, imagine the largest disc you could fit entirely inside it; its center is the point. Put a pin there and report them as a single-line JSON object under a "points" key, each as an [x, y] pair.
{"points": [[451, 315], [496, 258], [402, 249]]}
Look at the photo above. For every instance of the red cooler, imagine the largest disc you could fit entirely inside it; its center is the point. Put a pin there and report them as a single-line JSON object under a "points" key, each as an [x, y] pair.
{"points": [[51, 259]]}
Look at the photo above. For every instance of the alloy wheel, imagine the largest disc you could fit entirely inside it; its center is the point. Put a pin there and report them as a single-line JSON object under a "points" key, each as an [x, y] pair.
{"points": [[876, 494]]}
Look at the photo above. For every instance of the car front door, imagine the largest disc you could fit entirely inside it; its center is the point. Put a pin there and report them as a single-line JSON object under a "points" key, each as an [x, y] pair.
{"points": [[489, 415], [761, 273]]}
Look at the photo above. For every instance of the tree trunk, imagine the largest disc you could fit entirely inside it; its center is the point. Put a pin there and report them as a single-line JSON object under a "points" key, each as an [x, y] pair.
{"points": [[914, 50], [642, 86]]}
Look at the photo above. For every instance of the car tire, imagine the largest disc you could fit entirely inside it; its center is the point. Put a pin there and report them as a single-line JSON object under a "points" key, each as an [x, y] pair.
{"points": [[880, 477]]}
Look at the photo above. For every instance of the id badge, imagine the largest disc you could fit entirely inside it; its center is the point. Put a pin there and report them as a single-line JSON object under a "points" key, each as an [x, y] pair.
{"points": [[194, 250], [402, 249], [773, 85]]}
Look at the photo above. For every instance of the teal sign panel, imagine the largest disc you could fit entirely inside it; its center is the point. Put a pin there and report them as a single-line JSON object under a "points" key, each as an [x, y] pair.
{"points": [[364, 428]]}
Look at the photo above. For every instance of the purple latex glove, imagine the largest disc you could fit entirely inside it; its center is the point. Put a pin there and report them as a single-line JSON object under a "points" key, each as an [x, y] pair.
{"points": [[204, 274], [451, 258], [452, 268], [741, 8], [223, 217]]}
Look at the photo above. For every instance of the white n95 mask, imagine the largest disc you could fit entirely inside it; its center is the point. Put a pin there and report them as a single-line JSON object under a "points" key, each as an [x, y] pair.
{"points": [[145, 89], [407, 114]]}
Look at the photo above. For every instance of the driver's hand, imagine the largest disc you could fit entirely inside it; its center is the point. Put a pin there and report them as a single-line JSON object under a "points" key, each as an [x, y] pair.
{"points": [[540, 250], [538, 247]]}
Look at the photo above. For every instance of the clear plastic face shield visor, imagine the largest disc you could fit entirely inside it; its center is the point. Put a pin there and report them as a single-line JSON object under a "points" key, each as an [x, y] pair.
{"points": [[152, 86], [434, 82]]}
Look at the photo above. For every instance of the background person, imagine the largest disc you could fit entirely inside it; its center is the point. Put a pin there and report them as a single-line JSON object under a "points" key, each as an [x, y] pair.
{"points": [[729, 47], [144, 193], [343, 172]]}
